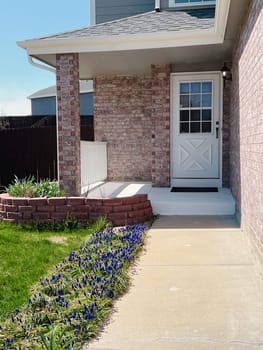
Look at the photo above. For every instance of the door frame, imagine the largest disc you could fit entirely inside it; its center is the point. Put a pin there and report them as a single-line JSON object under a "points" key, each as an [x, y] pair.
{"points": [[217, 182]]}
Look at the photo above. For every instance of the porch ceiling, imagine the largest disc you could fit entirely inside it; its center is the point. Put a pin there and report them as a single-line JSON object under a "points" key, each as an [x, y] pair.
{"points": [[133, 54], [139, 61]]}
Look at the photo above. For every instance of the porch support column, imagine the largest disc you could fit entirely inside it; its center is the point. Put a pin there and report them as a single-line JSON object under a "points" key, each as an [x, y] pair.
{"points": [[68, 123], [161, 125]]}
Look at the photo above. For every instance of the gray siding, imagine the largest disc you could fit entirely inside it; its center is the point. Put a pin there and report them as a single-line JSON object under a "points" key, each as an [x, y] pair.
{"points": [[86, 104], [164, 4], [109, 10], [47, 105], [43, 106]]}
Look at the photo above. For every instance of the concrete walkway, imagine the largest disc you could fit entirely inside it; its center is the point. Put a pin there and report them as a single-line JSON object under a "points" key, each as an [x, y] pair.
{"points": [[197, 287]]}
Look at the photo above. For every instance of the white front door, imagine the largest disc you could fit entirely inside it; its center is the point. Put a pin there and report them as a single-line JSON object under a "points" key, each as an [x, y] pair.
{"points": [[196, 130]]}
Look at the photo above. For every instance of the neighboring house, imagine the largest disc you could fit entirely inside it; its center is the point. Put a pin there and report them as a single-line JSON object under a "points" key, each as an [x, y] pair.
{"points": [[159, 99], [43, 102]]}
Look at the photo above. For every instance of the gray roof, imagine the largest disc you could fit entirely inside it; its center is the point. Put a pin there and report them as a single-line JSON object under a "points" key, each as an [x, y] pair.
{"points": [[85, 86], [149, 22]]}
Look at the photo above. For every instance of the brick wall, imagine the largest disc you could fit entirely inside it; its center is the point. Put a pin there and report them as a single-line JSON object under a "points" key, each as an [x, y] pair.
{"points": [[120, 211], [246, 157], [132, 114], [122, 117], [161, 125], [68, 122]]}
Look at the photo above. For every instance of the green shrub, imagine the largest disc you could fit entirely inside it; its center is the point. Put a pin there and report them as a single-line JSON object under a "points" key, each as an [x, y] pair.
{"points": [[47, 188], [28, 187]]}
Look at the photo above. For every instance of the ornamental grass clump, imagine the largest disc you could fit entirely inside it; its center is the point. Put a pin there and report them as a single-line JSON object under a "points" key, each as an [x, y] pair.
{"points": [[69, 306], [28, 187]]}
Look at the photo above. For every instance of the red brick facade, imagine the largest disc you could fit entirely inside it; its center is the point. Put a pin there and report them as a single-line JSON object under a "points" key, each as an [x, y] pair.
{"points": [[161, 125], [122, 117], [132, 114], [120, 211], [68, 123], [246, 157]]}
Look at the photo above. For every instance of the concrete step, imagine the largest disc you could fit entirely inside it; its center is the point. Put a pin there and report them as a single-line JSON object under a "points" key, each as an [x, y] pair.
{"points": [[165, 202]]}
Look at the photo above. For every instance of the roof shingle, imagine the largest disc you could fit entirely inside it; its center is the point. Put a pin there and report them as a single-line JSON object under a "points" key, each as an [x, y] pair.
{"points": [[150, 22]]}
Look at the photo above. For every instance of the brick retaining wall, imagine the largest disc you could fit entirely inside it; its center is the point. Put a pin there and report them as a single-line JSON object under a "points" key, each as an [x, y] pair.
{"points": [[120, 211]]}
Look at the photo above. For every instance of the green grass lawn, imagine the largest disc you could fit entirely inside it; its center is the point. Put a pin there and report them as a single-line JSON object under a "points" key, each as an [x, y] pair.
{"points": [[25, 256]]}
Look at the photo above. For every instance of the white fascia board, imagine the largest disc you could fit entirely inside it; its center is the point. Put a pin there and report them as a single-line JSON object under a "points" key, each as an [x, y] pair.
{"points": [[121, 42], [221, 17]]}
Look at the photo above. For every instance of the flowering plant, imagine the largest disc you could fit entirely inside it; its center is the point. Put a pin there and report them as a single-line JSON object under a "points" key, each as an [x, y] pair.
{"points": [[69, 306]]}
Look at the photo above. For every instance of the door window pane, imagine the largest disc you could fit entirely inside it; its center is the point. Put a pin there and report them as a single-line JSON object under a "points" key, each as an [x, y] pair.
{"points": [[184, 88], [195, 100], [196, 107], [184, 101], [195, 88], [206, 127], [206, 114], [206, 87], [195, 127], [195, 115], [184, 128], [184, 116], [207, 100]]}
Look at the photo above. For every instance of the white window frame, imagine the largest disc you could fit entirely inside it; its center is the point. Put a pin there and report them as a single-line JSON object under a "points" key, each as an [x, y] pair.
{"points": [[172, 3]]}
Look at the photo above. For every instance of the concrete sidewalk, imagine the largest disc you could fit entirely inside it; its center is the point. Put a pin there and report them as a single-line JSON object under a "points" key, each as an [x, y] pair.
{"points": [[197, 287]]}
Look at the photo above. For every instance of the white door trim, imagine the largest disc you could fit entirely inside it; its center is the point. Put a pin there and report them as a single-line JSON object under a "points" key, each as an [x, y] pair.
{"points": [[217, 182]]}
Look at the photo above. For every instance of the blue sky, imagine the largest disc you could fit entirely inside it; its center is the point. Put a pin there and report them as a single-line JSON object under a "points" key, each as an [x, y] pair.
{"points": [[21, 20]]}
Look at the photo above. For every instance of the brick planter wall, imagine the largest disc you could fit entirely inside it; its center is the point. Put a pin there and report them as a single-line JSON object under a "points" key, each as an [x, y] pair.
{"points": [[120, 211]]}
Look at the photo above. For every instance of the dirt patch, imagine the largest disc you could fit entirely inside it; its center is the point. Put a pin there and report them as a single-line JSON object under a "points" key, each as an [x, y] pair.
{"points": [[58, 239]]}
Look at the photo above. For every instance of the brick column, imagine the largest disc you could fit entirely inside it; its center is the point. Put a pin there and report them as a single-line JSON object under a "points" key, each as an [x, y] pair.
{"points": [[161, 125], [226, 133], [68, 122]]}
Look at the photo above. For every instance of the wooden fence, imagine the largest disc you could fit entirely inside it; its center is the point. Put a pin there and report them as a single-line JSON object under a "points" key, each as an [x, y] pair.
{"points": [[31, 151]]}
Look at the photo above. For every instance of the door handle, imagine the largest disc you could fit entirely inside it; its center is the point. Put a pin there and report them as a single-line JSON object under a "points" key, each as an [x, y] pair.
{"points": [[217, 129]]}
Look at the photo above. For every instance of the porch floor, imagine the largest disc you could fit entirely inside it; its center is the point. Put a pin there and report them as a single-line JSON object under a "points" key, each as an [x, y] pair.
{"points": [[165, 202]]}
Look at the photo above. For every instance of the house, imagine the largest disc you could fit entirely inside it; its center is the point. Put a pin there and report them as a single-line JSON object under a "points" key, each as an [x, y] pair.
{"points": [[105, 11], [43, 102], [177, 96]]}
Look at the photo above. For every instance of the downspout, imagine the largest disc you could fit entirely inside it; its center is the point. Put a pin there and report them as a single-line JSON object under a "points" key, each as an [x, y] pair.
{"points": [[157, 5]]}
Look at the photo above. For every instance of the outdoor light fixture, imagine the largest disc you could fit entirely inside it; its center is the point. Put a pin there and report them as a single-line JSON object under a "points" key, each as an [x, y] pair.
{"points": [[226, 73]]}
